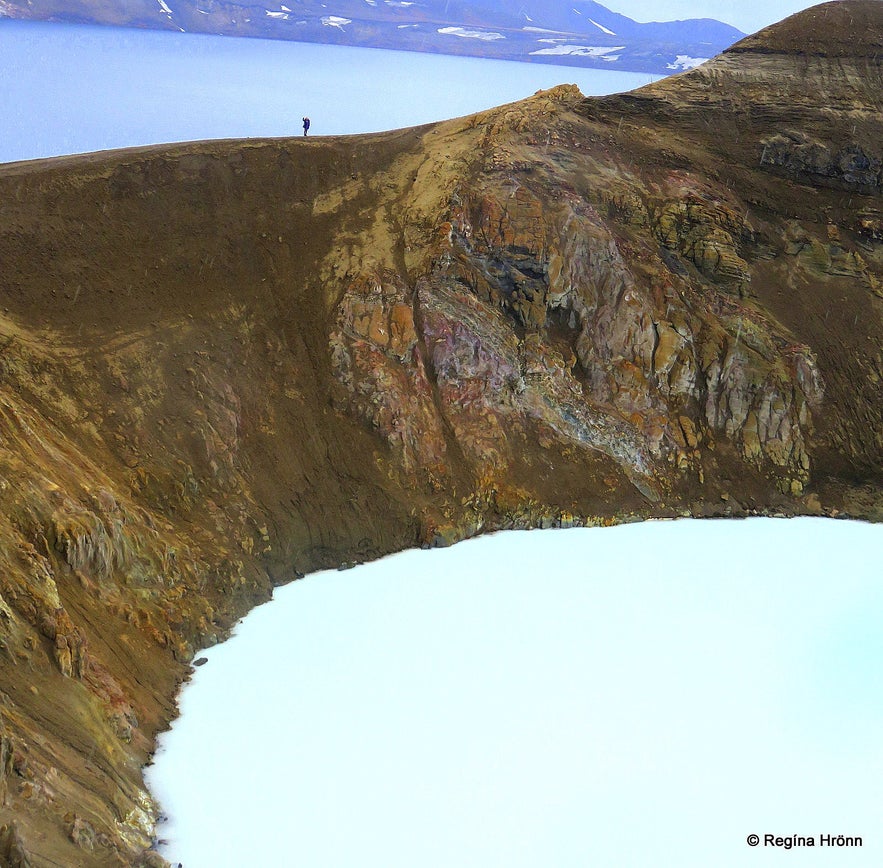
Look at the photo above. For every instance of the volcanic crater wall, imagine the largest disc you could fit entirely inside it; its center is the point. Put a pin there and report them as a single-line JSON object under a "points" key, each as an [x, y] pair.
{"points": [[225, 364]]}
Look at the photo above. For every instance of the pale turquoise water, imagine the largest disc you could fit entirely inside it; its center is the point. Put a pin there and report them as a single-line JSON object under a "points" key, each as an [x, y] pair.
{"points": [[642, 696], [72, 89]]}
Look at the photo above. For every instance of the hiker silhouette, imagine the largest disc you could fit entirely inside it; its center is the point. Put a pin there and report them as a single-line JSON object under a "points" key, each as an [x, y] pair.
{"points": [[306, 125]]}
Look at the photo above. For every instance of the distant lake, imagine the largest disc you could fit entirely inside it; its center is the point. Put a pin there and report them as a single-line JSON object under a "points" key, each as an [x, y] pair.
{"points": [[68, 89], [629, 697]]}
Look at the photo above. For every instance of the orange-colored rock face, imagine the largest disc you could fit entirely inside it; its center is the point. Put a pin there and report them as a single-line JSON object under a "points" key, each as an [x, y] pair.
{"points": [[222, 365], [539, 306]]}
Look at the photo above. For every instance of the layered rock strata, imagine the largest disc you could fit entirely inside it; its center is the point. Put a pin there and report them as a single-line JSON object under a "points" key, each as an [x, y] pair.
{"points": [[225, 364]]}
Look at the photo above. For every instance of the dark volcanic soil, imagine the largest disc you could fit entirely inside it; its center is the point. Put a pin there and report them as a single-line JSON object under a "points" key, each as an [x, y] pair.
{"points": [[225, 363]]}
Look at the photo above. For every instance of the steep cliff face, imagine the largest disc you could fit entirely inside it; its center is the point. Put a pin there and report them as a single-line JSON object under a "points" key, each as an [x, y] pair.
{"points": [[225, 364]]}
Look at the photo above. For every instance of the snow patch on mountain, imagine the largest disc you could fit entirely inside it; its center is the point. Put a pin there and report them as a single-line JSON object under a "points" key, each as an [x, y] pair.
{"points": [[684, 61], [602, 51], [335, 21], [602, 27], [464, 33]]}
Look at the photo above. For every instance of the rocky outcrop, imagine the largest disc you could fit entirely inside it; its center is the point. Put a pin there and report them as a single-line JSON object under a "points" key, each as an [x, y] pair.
{"points": [[813, 161], [223, 365], [11, 850], [533, 308]]}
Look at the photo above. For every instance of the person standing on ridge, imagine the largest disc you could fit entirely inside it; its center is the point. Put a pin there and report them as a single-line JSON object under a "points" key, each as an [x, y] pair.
{"points": [[306, 125]]}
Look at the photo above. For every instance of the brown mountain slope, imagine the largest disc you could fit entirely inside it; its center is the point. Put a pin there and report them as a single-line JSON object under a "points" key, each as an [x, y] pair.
{"points": [[225, 363]]}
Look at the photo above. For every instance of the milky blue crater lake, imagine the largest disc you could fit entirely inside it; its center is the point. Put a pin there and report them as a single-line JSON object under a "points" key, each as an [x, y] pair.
{"points": [[67, 89], [632, 697]]}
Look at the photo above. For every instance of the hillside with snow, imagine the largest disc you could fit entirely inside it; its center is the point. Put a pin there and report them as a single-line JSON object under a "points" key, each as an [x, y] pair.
{"points": [[565, 32]]}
